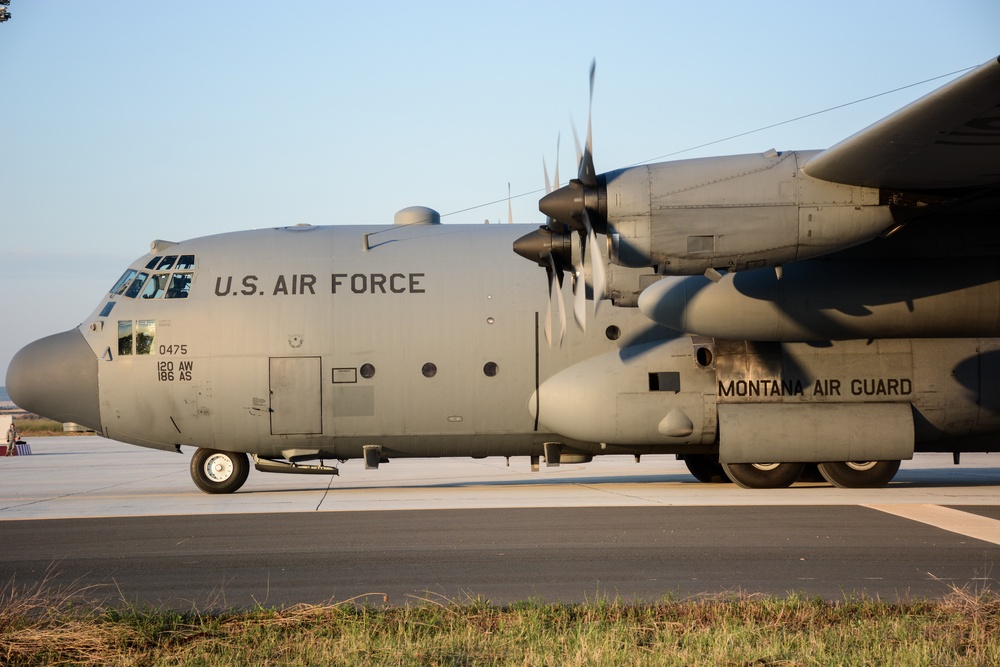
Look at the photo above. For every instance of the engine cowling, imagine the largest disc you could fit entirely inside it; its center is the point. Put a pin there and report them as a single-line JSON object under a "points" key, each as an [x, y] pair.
{"points": [[738, 212]]}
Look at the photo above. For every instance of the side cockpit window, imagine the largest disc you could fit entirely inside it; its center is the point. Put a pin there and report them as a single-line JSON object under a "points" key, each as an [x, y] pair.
{"points": [[180, 285], [124, 281], [133, 289], [136, 337], [165, 277], [124, 337]]}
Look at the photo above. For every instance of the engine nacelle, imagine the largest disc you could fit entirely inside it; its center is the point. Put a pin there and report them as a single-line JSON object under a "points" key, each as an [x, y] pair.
{"points": [[738, 212]]}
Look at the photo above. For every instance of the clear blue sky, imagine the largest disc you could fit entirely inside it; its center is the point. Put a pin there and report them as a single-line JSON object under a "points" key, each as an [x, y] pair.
{"points": [[123, 122]]}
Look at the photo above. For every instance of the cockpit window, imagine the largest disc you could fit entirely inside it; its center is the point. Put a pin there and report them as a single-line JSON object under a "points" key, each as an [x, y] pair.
{"points": [[167, 262], [171, 279], [156, 286], [145, 334], [133, 289], [124, 337], [180, 285], [123, 281]]}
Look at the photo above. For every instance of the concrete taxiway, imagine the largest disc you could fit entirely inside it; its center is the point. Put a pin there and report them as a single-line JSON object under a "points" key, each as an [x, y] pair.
{"points": [[130, 522]]}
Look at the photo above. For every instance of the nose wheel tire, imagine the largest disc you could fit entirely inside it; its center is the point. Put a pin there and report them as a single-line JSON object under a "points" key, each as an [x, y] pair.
{"points": [[859, 474], [763, 475], [219, 472]]}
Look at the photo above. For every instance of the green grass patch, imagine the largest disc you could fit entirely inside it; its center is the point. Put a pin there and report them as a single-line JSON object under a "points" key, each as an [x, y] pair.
{"points": [[25, 426], [745, 631], [38, 426]]}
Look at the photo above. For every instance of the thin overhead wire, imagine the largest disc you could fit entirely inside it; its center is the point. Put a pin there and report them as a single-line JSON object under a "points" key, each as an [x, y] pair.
{"points": [[730, 138]]}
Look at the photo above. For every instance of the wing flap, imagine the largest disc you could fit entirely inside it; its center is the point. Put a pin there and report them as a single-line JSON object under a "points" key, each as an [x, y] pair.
{"points": [[949, 138]]}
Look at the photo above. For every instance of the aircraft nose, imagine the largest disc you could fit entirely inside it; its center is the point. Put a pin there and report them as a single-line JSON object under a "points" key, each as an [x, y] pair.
{"points": [[56, 377]]}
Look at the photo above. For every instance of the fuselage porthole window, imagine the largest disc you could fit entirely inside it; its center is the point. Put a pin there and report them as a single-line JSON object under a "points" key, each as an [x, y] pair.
{"points": [[491, 369], [429, 370], [367, 371]]}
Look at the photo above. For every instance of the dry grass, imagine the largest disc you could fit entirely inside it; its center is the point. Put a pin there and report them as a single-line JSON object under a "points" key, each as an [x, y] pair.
{"points": [[45, 627]]}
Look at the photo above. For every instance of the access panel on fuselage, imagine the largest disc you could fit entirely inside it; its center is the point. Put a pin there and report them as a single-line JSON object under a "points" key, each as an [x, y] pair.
{"points": [[296, 405]]}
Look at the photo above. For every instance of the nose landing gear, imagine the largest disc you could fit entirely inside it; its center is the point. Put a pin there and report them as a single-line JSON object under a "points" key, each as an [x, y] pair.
{"points": [[219, 472]]}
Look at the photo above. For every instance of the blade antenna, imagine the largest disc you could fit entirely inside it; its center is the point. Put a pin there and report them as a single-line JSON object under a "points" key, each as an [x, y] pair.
{"points": [[510, 210]]}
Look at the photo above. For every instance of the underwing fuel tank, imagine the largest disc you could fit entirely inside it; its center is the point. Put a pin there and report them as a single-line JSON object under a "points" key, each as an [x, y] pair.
{"points": [[749, 402], [822, 300]]}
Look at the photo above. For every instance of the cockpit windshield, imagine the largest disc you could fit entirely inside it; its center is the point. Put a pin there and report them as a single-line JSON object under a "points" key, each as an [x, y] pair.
{"points": [[123, 281], [173, 277]]}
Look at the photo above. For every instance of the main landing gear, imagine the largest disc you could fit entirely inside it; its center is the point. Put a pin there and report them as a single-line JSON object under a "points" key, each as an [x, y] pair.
{"points": [[706, 468], [764, 475], [845, 474], [859, 474]]}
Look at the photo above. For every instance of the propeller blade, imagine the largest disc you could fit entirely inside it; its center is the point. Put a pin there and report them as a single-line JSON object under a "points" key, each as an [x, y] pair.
{"points": [[545, 170], [558, 141], [597, 271], [580, 298], [547, 325], [579, 152], [556, 293], [588, 174]]}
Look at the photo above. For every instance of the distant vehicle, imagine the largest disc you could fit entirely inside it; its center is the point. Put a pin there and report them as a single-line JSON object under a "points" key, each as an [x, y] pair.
{"points": [[838, 308]]}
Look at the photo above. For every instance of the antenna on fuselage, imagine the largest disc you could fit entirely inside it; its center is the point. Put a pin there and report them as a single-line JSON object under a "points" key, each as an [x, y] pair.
{"points": [[411, 216]]}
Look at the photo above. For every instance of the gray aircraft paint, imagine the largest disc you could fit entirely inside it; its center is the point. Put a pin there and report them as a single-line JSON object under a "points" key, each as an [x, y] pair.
{"points": [[265, 355], [272, 351], [819, 402]]}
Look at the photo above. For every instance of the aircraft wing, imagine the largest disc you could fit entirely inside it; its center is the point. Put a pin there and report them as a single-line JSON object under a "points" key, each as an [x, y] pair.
{"points": [[947, 139]]}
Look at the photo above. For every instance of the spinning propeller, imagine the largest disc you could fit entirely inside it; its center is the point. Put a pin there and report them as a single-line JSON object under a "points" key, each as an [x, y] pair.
{"points": [[576, 207]]}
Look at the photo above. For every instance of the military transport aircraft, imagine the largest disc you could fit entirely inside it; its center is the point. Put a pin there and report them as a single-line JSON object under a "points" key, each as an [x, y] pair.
{"points": [[837, 308]]}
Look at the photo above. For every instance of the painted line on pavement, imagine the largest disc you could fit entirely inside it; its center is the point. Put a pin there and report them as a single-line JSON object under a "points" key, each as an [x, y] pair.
{"points": [[945, 518]]}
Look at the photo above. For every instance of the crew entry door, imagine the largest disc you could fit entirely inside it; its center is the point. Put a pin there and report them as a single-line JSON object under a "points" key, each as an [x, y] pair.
{"points": [[296, 396]]}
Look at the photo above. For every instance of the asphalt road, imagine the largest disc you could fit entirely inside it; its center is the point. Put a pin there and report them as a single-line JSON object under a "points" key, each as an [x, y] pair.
{"points": [[149, 538]]}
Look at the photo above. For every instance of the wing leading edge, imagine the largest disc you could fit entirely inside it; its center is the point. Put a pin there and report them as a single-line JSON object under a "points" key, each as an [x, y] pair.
{"points": [[947, 139]]}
